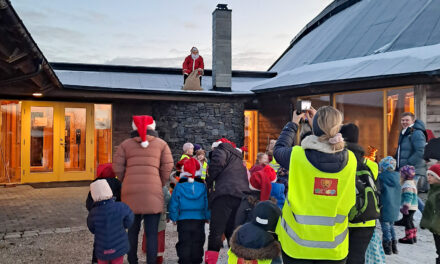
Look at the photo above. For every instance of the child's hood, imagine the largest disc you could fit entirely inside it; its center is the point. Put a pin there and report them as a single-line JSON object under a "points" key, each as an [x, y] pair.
{"points": [[390, 178], [192, 191]]}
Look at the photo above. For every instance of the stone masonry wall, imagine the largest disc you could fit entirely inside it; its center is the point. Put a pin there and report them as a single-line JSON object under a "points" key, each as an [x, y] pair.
{"points": [[201, 123]]}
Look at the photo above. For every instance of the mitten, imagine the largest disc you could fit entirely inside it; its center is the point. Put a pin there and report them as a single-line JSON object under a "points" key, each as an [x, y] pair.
{"points": [[404, 209]]}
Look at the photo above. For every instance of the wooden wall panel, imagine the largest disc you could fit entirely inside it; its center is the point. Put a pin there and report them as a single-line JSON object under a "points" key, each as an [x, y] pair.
{"points": [[433, 108]]}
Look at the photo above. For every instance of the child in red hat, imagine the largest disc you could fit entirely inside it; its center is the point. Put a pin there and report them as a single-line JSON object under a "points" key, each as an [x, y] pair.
{"points": [[189, 208]]}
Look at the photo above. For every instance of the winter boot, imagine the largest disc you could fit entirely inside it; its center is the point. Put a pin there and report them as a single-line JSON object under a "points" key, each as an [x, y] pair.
{"points": [[414, 234], [211, 257], [394, 247], [408, 237], [387, 247], [399, 223], [159, 260]]}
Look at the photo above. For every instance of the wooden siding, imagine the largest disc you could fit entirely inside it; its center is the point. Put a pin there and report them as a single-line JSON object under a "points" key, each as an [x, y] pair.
{"points": [[433, 108]]}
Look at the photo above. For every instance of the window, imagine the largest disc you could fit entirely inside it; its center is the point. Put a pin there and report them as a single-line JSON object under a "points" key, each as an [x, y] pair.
{"points": [[10, 137], [103, 134]]}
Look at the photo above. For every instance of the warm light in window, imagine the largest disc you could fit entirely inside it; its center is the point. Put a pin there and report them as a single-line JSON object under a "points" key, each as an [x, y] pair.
{"points": [[37, 94]]}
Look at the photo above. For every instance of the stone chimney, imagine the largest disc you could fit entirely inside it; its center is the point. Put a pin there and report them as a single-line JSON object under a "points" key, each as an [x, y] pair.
{"points": [[221, 48]]}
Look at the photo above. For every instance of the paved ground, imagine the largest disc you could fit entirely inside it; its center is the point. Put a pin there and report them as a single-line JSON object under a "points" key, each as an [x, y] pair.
{"points": [[48, 225]]}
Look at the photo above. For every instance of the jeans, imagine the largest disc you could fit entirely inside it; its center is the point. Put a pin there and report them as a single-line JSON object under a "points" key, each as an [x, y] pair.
{"points": [[151, 224], [388, 233]]}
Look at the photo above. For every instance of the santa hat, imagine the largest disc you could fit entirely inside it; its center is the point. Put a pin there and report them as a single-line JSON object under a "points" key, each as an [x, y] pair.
{"points": [[222, 140], [261, 181], [434, 170], [189, 168], [105, 171], [100, 190], [141, 124]]}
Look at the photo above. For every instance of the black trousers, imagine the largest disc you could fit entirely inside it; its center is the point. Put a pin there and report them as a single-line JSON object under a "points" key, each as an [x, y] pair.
{"points": [[437, 246], [408, 220], [289, 260], [223, 212], [151, 224], [191, 234], [358, 240], [186, 76]]}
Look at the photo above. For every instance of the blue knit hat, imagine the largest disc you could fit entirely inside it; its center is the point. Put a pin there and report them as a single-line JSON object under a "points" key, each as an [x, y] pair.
{"points": [[387, 164]]}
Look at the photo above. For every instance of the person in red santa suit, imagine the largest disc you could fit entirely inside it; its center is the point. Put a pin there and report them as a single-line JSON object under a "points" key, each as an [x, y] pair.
{"points": [[193, 62]]}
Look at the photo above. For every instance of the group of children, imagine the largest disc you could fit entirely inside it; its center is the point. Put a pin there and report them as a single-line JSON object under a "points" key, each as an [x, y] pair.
{"points": [[399, 193]]}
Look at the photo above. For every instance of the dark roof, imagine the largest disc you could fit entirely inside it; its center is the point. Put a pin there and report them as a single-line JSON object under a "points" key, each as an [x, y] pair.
{"points": [[353, 40], [23, 67]]}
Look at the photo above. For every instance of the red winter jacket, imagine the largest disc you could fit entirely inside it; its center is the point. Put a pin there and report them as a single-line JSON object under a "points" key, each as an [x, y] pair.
{"points": [[189, 65]]}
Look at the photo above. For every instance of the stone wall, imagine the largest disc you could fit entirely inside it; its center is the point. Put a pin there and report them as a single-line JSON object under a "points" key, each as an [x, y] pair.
{"points": [[196, 122]]}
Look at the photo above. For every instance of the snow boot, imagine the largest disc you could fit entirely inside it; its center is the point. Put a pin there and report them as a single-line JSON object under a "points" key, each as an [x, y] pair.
{"points": [[408, 237], [211, 257], [394, 247], [414, 234], [387, 247], [399, 223]]}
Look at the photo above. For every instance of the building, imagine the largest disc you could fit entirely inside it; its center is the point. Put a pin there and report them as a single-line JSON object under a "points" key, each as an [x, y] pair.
{"points": [[371, 59]]}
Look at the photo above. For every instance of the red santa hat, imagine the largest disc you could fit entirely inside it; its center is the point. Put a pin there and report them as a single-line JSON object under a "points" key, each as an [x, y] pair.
{"points": [[222, 140], [189, 168], [141, 124], [434, 170], [105, 171], [261, 181]]}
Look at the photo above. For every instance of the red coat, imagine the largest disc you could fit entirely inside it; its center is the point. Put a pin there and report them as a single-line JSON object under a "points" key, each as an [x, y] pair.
{"points": [[189, 65]]}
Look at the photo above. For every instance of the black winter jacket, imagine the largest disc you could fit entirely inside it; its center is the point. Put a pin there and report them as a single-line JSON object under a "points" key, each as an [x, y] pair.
{"points": [[325, 162], [227, 174]]}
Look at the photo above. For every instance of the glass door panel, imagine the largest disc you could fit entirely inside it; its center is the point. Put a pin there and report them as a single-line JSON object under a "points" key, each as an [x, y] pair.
{"points": [[41, 141], [74, 139], [10, 144]]}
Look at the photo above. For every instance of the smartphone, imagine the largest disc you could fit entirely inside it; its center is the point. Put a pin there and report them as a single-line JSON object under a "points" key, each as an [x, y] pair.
{"points": [[302, 106]]}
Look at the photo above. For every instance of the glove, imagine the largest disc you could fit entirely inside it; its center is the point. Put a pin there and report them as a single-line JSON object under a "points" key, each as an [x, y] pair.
{"points": [[404, 209]]}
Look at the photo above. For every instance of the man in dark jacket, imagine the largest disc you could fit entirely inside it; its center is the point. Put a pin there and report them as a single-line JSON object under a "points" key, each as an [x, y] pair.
{"points": [[227, 184]]}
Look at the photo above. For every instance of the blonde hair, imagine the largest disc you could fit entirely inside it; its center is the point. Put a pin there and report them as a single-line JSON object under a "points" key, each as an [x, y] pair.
{"points": [[259, 156], [329, 120]]}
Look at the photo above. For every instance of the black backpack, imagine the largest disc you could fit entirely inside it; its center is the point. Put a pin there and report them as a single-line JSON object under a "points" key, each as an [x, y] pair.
{"points": [[367, 205]]}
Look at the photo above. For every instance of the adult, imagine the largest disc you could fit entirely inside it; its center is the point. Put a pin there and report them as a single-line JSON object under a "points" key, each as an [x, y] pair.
{"points": [[191, 63], [143, 163], [360, 233], [410, 149], [227, 183], [314, 223]]}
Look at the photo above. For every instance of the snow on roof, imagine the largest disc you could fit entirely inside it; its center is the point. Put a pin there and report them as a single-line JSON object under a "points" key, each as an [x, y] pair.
{"points": [[414, 60], [364, 28]]}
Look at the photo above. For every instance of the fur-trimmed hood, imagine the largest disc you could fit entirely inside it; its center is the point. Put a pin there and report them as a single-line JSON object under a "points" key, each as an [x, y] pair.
{"points": [[313, 142], [271, 250]]}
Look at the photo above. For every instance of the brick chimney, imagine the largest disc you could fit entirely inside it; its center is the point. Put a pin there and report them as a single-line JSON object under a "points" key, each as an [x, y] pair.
{"points": [[221, 48]]}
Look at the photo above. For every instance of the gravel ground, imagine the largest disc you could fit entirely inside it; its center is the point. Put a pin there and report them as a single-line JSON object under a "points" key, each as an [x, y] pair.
{"points": [[76, 248]]}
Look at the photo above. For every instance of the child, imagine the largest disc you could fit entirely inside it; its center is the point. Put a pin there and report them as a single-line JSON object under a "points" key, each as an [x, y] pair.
{"points": [[188, 151], [104, 171], [254, 242], [201, 157], [189, 208], [409, 203], [262, 160], [390, 199], [431, 213], [108, 220]]}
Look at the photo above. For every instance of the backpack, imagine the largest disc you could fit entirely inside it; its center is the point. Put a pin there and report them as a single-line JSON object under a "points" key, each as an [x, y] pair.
{"points": [[367, 205]]}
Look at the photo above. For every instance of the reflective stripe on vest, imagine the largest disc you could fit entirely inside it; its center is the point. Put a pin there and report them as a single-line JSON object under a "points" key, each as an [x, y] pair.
{"points": [[274, 164], [233, 259], [374, 168], [314, 222]]}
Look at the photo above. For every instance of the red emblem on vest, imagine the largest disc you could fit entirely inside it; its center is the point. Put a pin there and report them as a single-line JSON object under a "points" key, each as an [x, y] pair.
{"points": [[325, 186]]}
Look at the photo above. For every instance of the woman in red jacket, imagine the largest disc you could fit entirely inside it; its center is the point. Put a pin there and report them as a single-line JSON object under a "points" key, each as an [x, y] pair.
{"points": [[193, 62]]}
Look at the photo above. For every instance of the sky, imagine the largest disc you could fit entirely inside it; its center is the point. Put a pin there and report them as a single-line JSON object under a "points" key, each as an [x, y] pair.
{"points": [[161, 33]]}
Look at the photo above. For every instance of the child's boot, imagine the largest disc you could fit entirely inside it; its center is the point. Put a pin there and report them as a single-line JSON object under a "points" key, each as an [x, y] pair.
{"points": [[414, 234], [408, 237], [394, 247], [387, 247], [211, 257]]}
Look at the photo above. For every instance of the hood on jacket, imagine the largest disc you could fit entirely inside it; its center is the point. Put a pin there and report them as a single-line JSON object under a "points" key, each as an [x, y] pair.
{"points": [[390, 178], [418, 124], [251, 242], [230, 148], [190, 191]]}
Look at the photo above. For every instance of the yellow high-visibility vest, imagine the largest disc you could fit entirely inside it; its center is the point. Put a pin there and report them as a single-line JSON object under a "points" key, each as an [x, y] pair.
{"points": [[274, 164], [314, 221], [375, 170], [204, 166], [184, 156], [233, 259]]}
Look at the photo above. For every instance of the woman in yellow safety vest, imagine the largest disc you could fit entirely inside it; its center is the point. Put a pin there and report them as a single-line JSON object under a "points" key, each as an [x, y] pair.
{"points": [[313, 227]]}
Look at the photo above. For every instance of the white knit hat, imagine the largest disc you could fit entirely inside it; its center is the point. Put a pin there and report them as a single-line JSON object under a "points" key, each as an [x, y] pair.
{"points": [[100, 190]]}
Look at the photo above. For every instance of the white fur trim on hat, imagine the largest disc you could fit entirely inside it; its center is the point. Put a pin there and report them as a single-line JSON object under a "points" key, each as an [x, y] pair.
{"points": [[100, 190], [252, 187], [145, 144], [152, 126], [216, 144], [433, 174], [133, 126]]}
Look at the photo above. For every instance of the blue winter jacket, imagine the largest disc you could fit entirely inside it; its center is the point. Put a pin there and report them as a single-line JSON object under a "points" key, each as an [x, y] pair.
{"points": [[278, 193], [389, 182], [189, 201], [411, 147], [108, 220]]}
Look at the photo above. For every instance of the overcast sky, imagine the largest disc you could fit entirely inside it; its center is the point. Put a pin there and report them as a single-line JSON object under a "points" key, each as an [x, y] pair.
{"points": [[161, 33]]}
